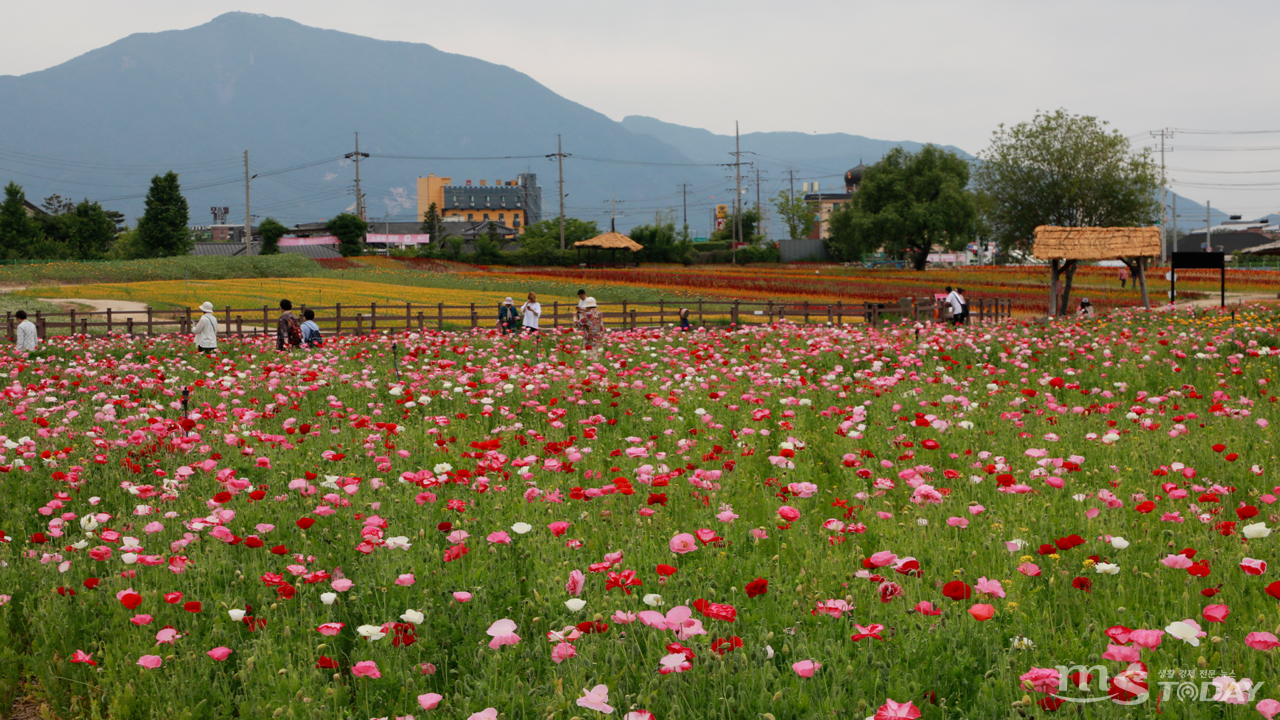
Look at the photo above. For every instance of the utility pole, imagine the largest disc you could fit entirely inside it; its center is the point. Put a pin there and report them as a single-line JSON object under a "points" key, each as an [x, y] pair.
{"points": [[760, 208], [248, 227], [1164, 212], [560, 155], [737, 191], [1208, 230], [1174, 236], [684, 193], [359, 196]]}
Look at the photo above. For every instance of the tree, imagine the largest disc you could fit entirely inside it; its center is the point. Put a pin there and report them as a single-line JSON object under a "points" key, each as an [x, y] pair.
{"points": [[750, 223], [350, 231], [271, 232], [488, 247], [662, 242], [1063, 170], [575, 230], [162, 231], [433, 225], [90, 231], [908, 204], [57, 205], [18, 230], [798, 214]]}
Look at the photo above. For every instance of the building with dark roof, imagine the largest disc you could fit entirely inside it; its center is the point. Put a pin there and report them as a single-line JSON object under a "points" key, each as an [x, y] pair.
{"points": [[235, 249], [513, 204], [827, 203], [1228, 242]]}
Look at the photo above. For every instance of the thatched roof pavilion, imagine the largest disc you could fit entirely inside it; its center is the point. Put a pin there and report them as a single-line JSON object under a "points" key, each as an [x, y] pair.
{"points": [[1064, 247], [611, 241]]}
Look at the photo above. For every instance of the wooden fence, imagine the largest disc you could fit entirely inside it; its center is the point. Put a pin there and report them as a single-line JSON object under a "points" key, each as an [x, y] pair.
{"points": [[361, 320]]}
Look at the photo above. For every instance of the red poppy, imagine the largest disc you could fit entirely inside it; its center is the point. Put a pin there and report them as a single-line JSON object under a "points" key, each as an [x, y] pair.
{"points": [[1210, 592], [716, 611], [957, 590], [253, 542], [1145, 507], [192, 606], [587, 627], [1047, 549], [1200, 569], [1244, 512], [1219, 447], [726, 645], [91, 583], [756, 587], [1274, 590], [222, 497], [676, 647], [131, 600], [666, 570], [930, 445], [279, 550], [305, 523], [658, 499], [1083, 583], [1050, 703], [173, 598], [326, 663]]}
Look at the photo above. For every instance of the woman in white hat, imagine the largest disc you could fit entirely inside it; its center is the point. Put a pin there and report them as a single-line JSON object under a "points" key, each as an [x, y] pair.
{"points": [[508, 318], [591, 323], [206, 329]]}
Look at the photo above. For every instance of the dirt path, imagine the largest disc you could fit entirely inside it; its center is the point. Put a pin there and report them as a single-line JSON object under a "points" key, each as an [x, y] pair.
{"points": [[122, 308]]}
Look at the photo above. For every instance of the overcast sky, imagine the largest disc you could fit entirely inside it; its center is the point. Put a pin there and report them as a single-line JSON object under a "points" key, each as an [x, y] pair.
{"points": [[946, 72]]}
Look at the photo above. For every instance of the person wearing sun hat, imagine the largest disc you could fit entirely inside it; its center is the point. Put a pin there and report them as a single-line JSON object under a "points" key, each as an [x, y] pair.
{"points": [[591, 323], [508, 318], [206, 329], [1086, 307]]}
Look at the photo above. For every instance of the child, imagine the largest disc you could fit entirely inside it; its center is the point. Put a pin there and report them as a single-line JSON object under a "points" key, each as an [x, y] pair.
{"points": [[310, 330]]}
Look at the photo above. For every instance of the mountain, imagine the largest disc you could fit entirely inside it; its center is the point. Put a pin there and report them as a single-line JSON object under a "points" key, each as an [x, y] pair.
{"points": [[809, 154], [101, 124]]}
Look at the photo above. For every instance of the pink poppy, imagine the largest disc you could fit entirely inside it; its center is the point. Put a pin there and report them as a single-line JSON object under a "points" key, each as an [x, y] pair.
{"points": [[1029, 569], [499, 538], [1261, 641], [806, 668], [679, 618], [219, 653], [1121, 653], [576, 583], [429, 701], [1045, 680], [989, 587], [683, 543], [563, 651], [1216, 613], [330, 629], [1268, 708], [597, 698], [485, 714], [982, 612], [673, 663], [503, 632], [151, 662], [1253, 567], [558, 528], [883, 558], [1149, 639], [406, 580], [366, 668], [958, 522], [893, 710], [341, 584], [462, 596], [788, 513]]}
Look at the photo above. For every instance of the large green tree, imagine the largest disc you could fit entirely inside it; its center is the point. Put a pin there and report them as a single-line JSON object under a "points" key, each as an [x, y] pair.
{"points": [[162, 230], [350, 231], [433, 225], [575, 230], [662, 242], [798, 214], [1063, 170], [90, 231], [750, 228], [18, 230], [271, 231], [908, 204]]}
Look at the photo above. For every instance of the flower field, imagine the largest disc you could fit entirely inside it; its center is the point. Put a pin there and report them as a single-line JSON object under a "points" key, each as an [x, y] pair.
{"points": [[770, 522], [251, 293]]}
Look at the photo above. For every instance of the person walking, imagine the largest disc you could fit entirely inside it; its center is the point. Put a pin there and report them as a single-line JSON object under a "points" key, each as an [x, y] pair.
{"points": [[288, 331], [685, 326], [508, 318], [591, 323], [206, 329], [956, 304], [26, 335], [964, 306], [310, 330], [1124, 275], [531, 312]]}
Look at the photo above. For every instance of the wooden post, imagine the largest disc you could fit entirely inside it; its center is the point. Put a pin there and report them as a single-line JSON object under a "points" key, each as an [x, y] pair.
{"points": [[150, 327], [337, 317], [8, 323], [265, 321], [1053, 288], [633, 319], [700, 321], [875, 315], [806, 312], [73, 322], [373, 317], [733, 315], [1142, 282], [128, 326], [662, 311], [359, 324], [408, 316], [840, 312], [84, 326], [440, 316], [624, 314], [421, 320], [474, 320], [188, 317], [42, 331], [240, 325], [555, 314]]}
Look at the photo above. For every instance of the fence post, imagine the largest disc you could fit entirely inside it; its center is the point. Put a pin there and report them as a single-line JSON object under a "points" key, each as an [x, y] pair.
{"points": [[42, 332], [624, 314], [770, 311], [555, 314], [662, 311], [733, 316], [633, 319], [337, 317], [240, 326], [359, 324], [408, 316], [8, 323], [128, 326], [150, 327], [806, 312], [421, 319], [474, 322], [373, 317], [73, 322], [840, 312], [440, 316], [84, 326], [188, 317], [265, 321], [701, 323]]}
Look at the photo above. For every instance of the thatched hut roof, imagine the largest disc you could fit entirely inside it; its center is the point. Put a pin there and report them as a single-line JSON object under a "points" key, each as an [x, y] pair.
{"points": [[611, 241], [1095, 243], [1271, 248]]}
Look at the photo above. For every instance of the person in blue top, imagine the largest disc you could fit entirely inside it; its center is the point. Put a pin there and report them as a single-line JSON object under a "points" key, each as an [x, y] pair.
{"points": [[685, 326], [310, 330]]}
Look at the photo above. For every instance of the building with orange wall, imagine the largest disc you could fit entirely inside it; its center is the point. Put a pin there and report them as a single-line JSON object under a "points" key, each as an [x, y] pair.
{"points": [[513, 204]]}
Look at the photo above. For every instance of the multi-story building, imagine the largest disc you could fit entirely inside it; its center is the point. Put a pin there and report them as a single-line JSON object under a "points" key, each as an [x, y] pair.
{"points": [[827, 203], [513, 204]]}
